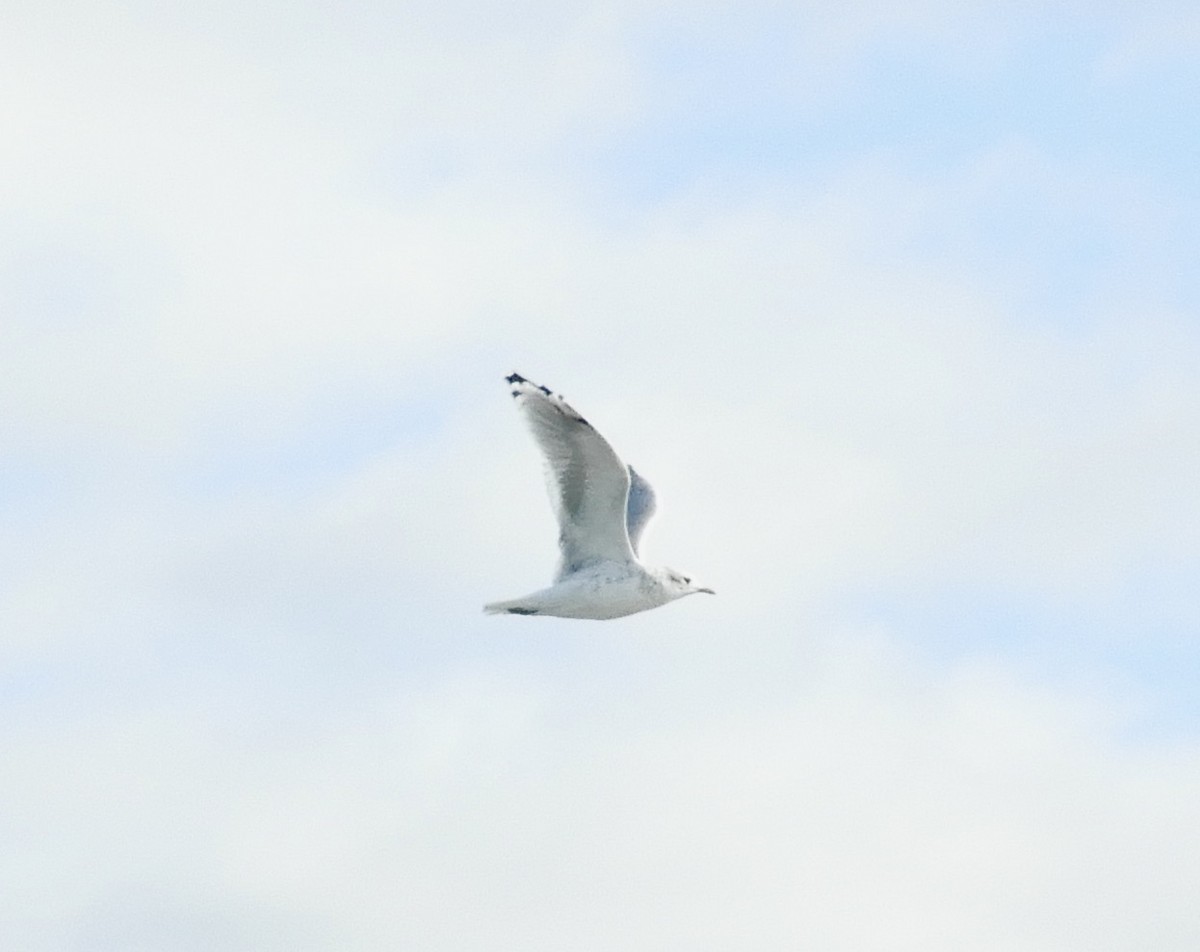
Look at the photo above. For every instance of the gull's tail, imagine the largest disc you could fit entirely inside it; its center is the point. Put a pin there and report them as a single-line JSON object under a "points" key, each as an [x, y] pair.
{"points": [[517, 607]]}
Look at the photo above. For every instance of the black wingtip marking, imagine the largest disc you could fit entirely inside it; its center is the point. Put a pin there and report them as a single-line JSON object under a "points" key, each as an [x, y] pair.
{"points": [[515, 378], [522, 611], [546, 390]]}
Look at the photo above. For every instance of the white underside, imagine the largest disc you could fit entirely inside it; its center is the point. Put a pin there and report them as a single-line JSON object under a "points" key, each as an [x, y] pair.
{"points": [[608, 590]]}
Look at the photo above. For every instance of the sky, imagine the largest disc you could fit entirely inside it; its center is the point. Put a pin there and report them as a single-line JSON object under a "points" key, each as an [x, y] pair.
{"points": [[895, 304]]}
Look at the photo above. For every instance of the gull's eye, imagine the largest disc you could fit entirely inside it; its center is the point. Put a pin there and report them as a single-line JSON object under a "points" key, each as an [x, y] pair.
{"points": [[686, 580]]}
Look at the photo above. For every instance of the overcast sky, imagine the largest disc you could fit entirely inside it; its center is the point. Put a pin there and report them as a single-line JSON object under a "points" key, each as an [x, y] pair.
{"points": [[898, 306]]}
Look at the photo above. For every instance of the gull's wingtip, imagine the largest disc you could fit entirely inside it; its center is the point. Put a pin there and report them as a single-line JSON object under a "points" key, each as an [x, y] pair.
{"points": [[516, 381]]}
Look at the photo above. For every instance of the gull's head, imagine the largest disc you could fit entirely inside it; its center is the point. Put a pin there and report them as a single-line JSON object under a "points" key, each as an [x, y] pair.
{"points": [[677, 584]]}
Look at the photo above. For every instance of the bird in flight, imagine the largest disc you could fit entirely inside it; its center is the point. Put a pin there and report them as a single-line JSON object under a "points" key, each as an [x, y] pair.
{"points": [[602, 506]]}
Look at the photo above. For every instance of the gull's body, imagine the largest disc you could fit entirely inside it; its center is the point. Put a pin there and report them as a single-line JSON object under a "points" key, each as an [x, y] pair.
{"points": [[602, 506]]}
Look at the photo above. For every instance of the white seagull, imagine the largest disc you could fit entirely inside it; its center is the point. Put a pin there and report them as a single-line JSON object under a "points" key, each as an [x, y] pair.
{"points": [[602, 506]]}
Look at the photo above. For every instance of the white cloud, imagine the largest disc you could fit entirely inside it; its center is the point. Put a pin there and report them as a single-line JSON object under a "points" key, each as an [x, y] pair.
{"points": [[262, 280], [857, 803]]}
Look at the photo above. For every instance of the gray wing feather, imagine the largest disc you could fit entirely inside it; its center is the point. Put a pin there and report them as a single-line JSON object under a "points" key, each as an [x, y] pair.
{"points": [[639, 509], [588, 482]]}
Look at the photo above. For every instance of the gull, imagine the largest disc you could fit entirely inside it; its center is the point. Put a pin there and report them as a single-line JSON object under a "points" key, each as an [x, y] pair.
{"points": [[602, 506]]}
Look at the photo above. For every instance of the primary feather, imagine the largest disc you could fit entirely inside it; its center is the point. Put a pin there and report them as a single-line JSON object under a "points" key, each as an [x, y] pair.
{"points": [[588, 483]]}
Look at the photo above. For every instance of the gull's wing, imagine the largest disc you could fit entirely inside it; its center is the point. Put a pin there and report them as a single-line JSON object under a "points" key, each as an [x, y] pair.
{"points": [[588, 483], [639, 509]]}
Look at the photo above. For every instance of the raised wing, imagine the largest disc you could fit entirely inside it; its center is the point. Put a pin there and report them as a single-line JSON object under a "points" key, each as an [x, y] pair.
{"points": [[639, 509], [588, 482]]}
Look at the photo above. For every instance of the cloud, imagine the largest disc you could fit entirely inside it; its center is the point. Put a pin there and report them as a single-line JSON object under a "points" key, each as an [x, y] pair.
{"points": [[262, 273], [859, 799]]}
